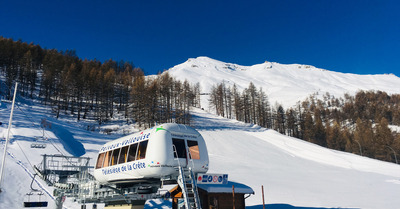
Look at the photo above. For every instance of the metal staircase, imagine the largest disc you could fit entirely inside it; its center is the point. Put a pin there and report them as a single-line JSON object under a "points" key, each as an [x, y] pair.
{"points": [[187, 182]]}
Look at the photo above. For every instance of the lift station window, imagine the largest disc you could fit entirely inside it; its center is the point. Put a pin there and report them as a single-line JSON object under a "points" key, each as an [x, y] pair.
{"points": [[107, 159], [132, 152], [180, 147], [122, 155], [115, 156], [193, 149], [100, 160], [142, 150]]}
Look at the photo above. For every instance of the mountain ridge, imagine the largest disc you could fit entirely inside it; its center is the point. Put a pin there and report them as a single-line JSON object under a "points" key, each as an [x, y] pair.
{"points": [[284, 83]]}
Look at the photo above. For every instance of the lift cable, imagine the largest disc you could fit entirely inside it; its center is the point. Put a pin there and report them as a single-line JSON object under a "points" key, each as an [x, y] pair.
{"points": [[36, 126]]}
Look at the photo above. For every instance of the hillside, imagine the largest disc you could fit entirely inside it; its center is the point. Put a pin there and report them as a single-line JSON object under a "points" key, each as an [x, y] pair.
{"points": [[285, 84], [293, 172], [296, 172]]}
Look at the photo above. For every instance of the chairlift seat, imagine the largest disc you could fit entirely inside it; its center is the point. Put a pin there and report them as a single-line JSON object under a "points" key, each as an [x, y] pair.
{"points": [[39, 146], [35, 202]]}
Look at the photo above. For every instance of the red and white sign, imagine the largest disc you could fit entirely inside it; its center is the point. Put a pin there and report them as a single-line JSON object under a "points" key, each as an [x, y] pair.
{"points": [[212, 178]]}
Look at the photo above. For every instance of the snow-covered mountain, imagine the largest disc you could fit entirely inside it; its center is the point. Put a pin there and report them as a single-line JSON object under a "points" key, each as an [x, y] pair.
{"points": [[294, 173], [285, 84]]}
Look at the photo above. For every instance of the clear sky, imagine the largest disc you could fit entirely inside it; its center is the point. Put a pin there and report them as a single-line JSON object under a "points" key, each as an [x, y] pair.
{"points": [[352, 36]]}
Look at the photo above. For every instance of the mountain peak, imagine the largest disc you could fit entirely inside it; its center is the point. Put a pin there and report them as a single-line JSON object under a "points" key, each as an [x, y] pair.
{"points": [[284, 83], [204, 60]]}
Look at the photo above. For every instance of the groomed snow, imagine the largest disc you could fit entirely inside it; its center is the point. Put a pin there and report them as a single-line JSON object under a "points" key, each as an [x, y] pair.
{"points": [[295, 172]]}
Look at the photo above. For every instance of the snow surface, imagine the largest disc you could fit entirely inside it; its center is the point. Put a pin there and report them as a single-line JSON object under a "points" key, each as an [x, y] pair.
{"points": [[294, 173], [284, 84]]}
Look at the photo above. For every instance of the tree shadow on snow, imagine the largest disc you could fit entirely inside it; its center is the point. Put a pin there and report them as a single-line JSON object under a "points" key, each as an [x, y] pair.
{"points": [[71, 145], [287, 206]]}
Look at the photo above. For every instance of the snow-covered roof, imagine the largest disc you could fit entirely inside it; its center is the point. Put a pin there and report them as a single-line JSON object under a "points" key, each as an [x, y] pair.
{"points": [[226, 188]]}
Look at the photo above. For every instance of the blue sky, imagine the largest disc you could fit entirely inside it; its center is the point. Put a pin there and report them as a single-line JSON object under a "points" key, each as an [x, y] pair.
{"points": [[357, 36]]}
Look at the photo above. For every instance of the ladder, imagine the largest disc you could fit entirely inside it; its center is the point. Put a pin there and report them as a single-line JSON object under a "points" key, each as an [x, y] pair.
{"points": [[187, 182]]}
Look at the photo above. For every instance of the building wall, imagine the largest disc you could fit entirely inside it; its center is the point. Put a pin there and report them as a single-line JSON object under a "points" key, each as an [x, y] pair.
{"points": [[224, 201]]}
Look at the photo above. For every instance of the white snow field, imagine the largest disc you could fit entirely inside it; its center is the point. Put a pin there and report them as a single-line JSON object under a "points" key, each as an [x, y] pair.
{"points": [[296, 172], [284, 84]]}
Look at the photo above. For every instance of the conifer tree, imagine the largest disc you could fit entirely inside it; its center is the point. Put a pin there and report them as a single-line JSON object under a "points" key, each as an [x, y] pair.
{"points": [[384, 140], [253, 95], [292, 129], [364, 135], [237, 103], [166, 88], [309, 129], [137, 96], [280, 120], [334, 138], [319, 134]]}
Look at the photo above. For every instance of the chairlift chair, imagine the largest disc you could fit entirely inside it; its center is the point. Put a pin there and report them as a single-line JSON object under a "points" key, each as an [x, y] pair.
{"points": [[35, 199], [38, 145], [39, 142]]}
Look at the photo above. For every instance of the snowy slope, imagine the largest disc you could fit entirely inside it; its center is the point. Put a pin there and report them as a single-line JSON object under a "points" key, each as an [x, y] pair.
{"points": [[64, 137], [293, 172], [285, 84], [296, 172]]}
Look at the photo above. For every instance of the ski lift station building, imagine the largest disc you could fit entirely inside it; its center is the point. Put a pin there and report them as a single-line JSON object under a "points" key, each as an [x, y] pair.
{"points": [[152, 154], [130, 170], [157, 154]]}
